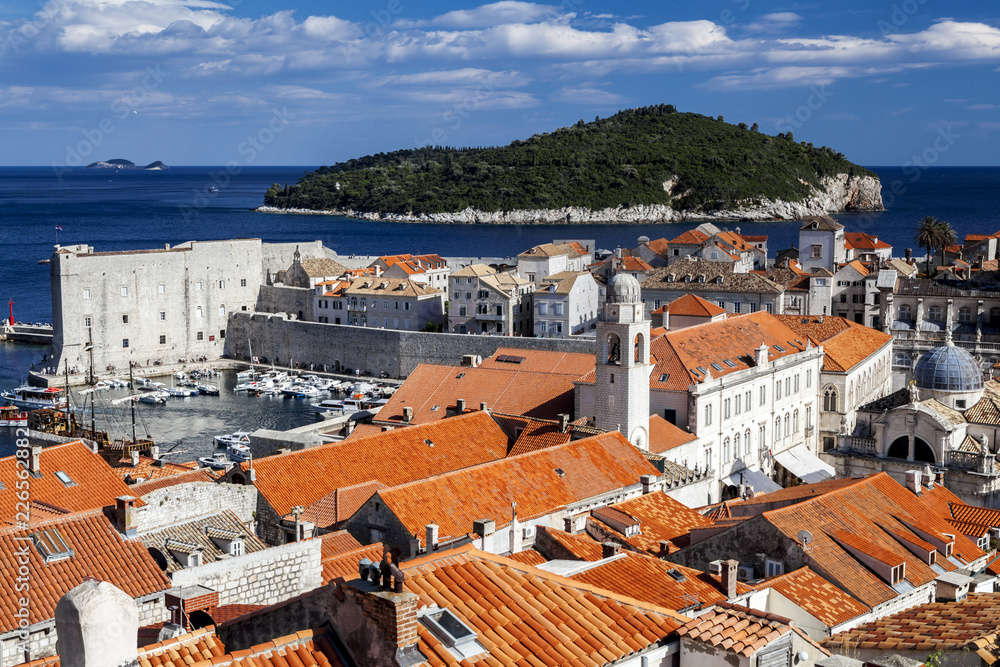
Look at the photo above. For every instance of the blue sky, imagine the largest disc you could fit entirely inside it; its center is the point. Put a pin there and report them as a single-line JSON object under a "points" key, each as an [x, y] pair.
{"points": [[199, 82]]}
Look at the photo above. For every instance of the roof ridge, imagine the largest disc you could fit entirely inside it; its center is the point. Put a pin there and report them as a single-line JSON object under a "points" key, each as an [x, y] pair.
{"points": [[858, 481]]}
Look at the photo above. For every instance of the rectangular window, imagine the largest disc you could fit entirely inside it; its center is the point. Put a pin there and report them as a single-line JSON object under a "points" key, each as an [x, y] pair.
{"points": [[462, 311], [124, 291], [163, 315], [777, 390], [722, 304], [86, 322], [243, 282], [558, 326], [557, 308], [124, 342], [124, 319], [198, 312], [753, 307], [543, 327], [775, 567], [197, 287], [796, 383], [500, 310], [738, 401], [809, 378], [821, 282], [726, 404], [708, 415], [86, 294], [769, 307], [222, 332], [406, 305], [222, 311], [543, 308], [763, 395], [406, 324], [817, 251], [788, 386], [222, 284], [161, 289], [200, 335], [163, 340], [736, 306]]}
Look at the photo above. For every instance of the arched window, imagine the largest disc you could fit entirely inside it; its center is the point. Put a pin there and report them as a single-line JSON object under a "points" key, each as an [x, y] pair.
{"points": [[795, 422], [934, 313], [830, 399], [787, 432], [746, 441], [777, 429], [725, 450], [995, 316], [965, 314], [640, 349], [613, 350], [905, 312], [736, 446], [761, 437]]}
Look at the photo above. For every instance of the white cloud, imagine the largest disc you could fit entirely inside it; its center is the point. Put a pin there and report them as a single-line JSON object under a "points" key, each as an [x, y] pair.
{"points": [[587, 96], [467, 76], [981, 107], [774, 22], [497, 13], [778, 77]]}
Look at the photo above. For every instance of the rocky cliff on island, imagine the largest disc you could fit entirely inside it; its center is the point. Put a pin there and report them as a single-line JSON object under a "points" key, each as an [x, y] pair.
{"points": [[652, 164], [119, 163]]}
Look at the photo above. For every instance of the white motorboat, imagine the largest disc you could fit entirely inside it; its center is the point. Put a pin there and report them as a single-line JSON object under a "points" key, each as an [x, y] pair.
{"points": [[154, 397], [35, 398], [180, 375], [322, 384], [208, 389], [142, 383], [307, 391], [180, 392], [239, 452], [346, 406], [237, 437], [219, 460]]}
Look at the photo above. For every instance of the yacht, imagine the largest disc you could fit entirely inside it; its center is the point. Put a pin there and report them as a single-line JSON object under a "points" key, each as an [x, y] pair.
{"points": [[35, 398], [208, 389], [219, 460], [13, 416], [237, 437]]}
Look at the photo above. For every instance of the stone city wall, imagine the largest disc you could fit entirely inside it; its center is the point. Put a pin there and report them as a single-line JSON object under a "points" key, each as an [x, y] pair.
{"points": [[178, 504], [343, 347], [263, 577]]}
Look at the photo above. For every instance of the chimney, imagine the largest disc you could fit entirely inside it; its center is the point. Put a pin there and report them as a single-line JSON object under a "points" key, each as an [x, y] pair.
{"points": [[563, 422], [484, 407], [35, 459], [761, 356], [134, 456], [126, 516], [407, 414], [154, 452], [97, 624], [432, 537], [729, 569], [609, 549], [664, 548], [647, 483], [460, 406], [913, 479], [908, 253]]}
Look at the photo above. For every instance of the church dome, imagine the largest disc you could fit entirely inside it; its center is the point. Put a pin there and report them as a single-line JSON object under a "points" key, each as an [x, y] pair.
{"points": [[948, 368], [623, 288]]}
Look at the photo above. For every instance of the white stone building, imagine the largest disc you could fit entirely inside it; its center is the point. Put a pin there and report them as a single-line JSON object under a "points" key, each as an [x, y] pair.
{"points": [[821, 244], [483, 301], [542, 261], [430, 270], [566, 304], [716, 282], [393, 303]]}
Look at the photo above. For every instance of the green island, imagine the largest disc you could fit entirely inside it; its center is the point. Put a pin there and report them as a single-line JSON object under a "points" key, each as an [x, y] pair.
{"points": [[638, 157]]}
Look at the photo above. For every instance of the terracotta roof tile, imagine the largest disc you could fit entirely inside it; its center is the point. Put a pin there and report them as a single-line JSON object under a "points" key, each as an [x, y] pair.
{"points": [[690, 237], [845, 344], [660, 517], [527, 616], [333, 509], [539, 434], [937, 625], [345, 564], [739, 630], [98, 551], [693, 305], [706, 276], [337, 543], [664, 436], [540, 482], [93, 483], [863, 241], [528, 557], [149, 468], [197, 532], [393, 457], [816, 596]]}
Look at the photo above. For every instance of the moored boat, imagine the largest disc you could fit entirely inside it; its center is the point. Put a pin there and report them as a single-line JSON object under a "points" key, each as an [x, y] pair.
{"points": [[13, 416], [35, 398]]}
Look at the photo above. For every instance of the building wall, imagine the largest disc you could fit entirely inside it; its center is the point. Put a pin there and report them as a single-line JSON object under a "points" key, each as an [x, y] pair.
{"points": [[749, 302], [263, 577], [283, 299], [184, 502], [275, 338]]}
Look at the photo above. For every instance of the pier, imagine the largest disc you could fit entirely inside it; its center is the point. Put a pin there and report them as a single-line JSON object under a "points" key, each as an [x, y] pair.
{"points": [[27, 333]]}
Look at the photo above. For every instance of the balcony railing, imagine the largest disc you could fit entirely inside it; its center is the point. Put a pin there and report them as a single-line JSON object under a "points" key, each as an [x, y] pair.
{"points": [[862, 445], [970, 461]]}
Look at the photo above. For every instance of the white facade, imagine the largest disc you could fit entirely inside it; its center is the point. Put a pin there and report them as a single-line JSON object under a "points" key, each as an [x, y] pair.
{"points": [[566, 307], [821, 244]]}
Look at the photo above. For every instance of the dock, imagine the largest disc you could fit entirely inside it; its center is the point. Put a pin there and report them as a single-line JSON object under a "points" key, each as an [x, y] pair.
{"points": [[27, 333]]}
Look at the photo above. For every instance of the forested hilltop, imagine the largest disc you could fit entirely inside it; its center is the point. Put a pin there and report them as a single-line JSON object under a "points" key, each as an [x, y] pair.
{"points": [[650, 156]]}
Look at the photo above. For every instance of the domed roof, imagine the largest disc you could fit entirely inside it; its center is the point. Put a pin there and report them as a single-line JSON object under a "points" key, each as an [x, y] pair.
{"points": [[623, 288], [948, 368]]}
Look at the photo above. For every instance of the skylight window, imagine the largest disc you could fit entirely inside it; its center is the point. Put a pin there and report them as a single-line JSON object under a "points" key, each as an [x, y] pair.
{"points": [[716, 366], [701, 369], [730, 363], [676, 574], [64, 478], [560, 472], [434, 408], [664, 377], [428, 442], [779, 348], [51, 545], [458, 638]]}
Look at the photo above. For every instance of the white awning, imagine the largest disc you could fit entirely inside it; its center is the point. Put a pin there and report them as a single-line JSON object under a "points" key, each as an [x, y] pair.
{"points": [[805, 465], [760, 482]]}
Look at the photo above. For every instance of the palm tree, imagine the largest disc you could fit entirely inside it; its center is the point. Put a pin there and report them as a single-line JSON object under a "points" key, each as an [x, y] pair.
{"points": [[928, 230], [946, 237]]}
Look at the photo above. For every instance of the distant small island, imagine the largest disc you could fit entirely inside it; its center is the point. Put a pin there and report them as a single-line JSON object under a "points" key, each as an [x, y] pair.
{"points": [[126, 164]]}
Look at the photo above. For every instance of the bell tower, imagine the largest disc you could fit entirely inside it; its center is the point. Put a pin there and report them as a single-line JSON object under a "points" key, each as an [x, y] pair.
{"points": [[622, 388]]}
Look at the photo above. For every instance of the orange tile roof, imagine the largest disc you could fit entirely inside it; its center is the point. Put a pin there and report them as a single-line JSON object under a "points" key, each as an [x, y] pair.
{"points": [[690, 237], [393, 457], [149, 469], [580, 547], [542, 361], [345, 564], [530, 617], [648, 579], [928, 627], [816, 595], [631, 263], [540, 482], [529, 557], [858, 266], [845, 343], [660, 518], [659, 246], [664, 436], [694, 306], [539, 434], [99, 552], [336, 543], [504, 387], [739, 630], [679, 354], [863, 241], [227, 612], [333, 509], [980, 516], [755, 238], [95, 483]]}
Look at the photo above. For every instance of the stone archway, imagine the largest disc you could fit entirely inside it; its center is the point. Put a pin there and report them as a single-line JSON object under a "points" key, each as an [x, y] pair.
{"points": [[922, 451], [900, 448]]}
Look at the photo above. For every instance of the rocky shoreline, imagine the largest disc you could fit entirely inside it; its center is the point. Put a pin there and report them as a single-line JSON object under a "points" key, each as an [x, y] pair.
{"points": [[835, 194]]}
